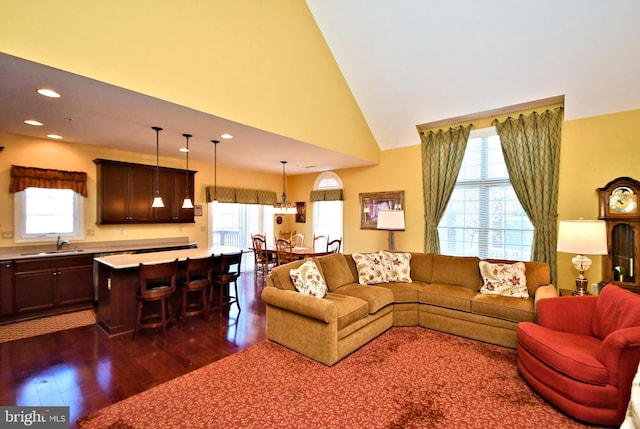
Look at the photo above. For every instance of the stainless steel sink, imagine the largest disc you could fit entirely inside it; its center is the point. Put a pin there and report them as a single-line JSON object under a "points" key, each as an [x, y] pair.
{"points": [[54, 252]]}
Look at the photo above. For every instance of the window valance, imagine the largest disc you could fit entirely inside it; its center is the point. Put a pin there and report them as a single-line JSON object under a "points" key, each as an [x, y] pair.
{"points": [[327, 195], [31, 177], [241, 195]]}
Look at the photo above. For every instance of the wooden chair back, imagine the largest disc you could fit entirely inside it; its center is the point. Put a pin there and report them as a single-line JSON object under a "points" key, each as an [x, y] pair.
{"points": [[284, 252], [158, 280], [333, 246], [298, 240], [320, 243]]}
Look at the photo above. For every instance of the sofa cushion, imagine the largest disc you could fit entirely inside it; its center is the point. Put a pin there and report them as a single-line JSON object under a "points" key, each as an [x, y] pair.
{"points": [[280, 275], [335, 270], [349, 308], [403, 293], [422, 267], [446, 295], [574, 355], [377, 297], [538, 273], [457, 270], [503, 279], [308, 280], [616, 308], [504, 307], [371, 268], [397, 266]]}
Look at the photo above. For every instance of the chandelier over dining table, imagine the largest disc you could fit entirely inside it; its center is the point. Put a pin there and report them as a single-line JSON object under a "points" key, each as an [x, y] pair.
{"points": [[283, 206]]}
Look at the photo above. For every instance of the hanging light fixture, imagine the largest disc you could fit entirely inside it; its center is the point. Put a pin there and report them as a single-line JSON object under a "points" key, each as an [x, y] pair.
{"points": [[215, 170], [187, 203], [284, 206], [157, 200]]}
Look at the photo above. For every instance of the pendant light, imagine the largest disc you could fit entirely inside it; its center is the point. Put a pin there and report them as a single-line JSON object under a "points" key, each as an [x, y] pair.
{"points": [[187, 203], [284, 206], [157, 200], [215, 170]]}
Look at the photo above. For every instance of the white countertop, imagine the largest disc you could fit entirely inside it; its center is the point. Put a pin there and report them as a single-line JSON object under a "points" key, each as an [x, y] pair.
{"points": [[119, 262]]}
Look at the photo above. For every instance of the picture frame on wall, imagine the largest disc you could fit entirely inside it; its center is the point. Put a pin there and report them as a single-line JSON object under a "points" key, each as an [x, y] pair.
{"points": [[373, 202], [301, 212]]}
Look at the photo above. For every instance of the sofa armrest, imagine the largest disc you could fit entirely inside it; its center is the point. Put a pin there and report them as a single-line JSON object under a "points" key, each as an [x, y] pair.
{"points": [[620, 353], [542, 292], [571, 314], [296, 302]]}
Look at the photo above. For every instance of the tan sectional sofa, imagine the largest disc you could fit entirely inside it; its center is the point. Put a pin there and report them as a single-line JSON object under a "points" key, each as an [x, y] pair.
{"points": [[443, 295]]}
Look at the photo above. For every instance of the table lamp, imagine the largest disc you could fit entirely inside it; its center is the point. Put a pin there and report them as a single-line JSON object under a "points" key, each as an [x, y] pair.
{"points": [[391, 220], [584, 237]]}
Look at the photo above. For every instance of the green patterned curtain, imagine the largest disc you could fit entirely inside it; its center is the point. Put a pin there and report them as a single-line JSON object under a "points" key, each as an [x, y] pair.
{"points": [[241, 195], [327, 195], [442, 154], [531, 148]]}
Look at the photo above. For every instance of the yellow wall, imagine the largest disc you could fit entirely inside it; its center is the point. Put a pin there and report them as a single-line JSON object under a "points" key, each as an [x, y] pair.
{"points": [[260, 63], [33, 152]]}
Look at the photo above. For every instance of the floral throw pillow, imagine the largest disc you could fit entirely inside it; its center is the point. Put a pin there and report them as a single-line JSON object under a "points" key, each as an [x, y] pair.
{"points": [[504, 279], [398, 266], [370, 267], [308, 280]]}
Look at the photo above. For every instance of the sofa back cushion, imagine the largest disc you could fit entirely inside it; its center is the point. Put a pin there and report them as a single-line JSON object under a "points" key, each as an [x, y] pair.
{"points": [[280, 275], [537, 273], [336, 270], [422, 267], [457, 270], [616, 308]]}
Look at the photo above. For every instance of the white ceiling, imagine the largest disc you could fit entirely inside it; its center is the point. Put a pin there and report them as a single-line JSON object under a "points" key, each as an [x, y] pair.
{"points": [[407, 62], [413, 62]]}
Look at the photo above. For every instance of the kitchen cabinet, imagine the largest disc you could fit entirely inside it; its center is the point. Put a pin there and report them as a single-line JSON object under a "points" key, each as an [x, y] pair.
{"points": [[53, 284], [6, 288], [126, 191], [173, 185]]}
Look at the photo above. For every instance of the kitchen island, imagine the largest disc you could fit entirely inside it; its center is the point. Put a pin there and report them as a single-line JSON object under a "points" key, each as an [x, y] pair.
{"points": [[117, 282]]}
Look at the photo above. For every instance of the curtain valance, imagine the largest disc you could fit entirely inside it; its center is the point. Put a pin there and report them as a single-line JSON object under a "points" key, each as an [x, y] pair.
{"points": [[31, 177], [327, 195], [241, 195]]}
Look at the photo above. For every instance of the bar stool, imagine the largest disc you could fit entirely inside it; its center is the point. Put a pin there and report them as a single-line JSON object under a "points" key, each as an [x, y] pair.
{"points": [[157, 285], [229, 272], [197, 282]]}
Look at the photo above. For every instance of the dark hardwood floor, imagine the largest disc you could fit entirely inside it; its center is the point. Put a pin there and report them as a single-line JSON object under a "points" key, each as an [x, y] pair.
{"points": [[85, 370]]}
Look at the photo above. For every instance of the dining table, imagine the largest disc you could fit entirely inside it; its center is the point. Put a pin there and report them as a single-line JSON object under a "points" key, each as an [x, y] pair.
{"points": [[300, 252]]}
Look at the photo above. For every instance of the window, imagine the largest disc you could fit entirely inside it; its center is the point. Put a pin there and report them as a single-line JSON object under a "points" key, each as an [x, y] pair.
{"points": [[327, 215], [41, 214], [484, 217], [233, 225]]}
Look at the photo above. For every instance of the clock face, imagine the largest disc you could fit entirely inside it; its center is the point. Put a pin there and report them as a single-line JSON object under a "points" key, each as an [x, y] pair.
{"points": [[623, 200]]}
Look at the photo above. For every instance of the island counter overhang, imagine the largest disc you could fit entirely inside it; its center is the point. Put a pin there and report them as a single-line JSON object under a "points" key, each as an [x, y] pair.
{"points": [[117, 282]]}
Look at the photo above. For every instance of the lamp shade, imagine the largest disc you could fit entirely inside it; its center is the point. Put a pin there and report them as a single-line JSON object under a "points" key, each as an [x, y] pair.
{"points": [[583, 237], [391, 220]]}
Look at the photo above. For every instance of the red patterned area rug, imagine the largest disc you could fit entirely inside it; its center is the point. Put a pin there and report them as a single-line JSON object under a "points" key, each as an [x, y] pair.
{"points": [[406, 378]]}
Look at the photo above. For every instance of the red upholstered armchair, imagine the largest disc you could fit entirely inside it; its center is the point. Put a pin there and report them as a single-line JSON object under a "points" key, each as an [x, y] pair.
{"points": [[583, 353]]}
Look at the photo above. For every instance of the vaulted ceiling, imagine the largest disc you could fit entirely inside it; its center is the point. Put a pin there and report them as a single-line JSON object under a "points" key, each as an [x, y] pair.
{"points": [[407, 63]]}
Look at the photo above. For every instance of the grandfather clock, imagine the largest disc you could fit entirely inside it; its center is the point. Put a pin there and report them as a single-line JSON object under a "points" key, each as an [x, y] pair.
{"points": [[619, 209]]}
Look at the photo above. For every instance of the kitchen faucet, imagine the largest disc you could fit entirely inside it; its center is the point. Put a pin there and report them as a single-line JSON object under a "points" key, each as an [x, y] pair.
{"points": [[61, 243]]}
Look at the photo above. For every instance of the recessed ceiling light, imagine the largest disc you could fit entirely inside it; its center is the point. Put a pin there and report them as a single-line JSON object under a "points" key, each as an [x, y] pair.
{"points": [[33, 122], [48, 93], [226, 136], [54, 136]]}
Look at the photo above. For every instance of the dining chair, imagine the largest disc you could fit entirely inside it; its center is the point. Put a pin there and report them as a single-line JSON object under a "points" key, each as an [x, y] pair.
{"points": [[196, 284], [333, 246], [157, 285], [297, 239], [263, 258], [228, 272], [284, 252], [320, 243]]}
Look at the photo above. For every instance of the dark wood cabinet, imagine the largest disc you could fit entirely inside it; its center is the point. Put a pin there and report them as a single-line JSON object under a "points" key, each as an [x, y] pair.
{"points": [[126, 191], [620, 210], [53, 285], [6, 288]]}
